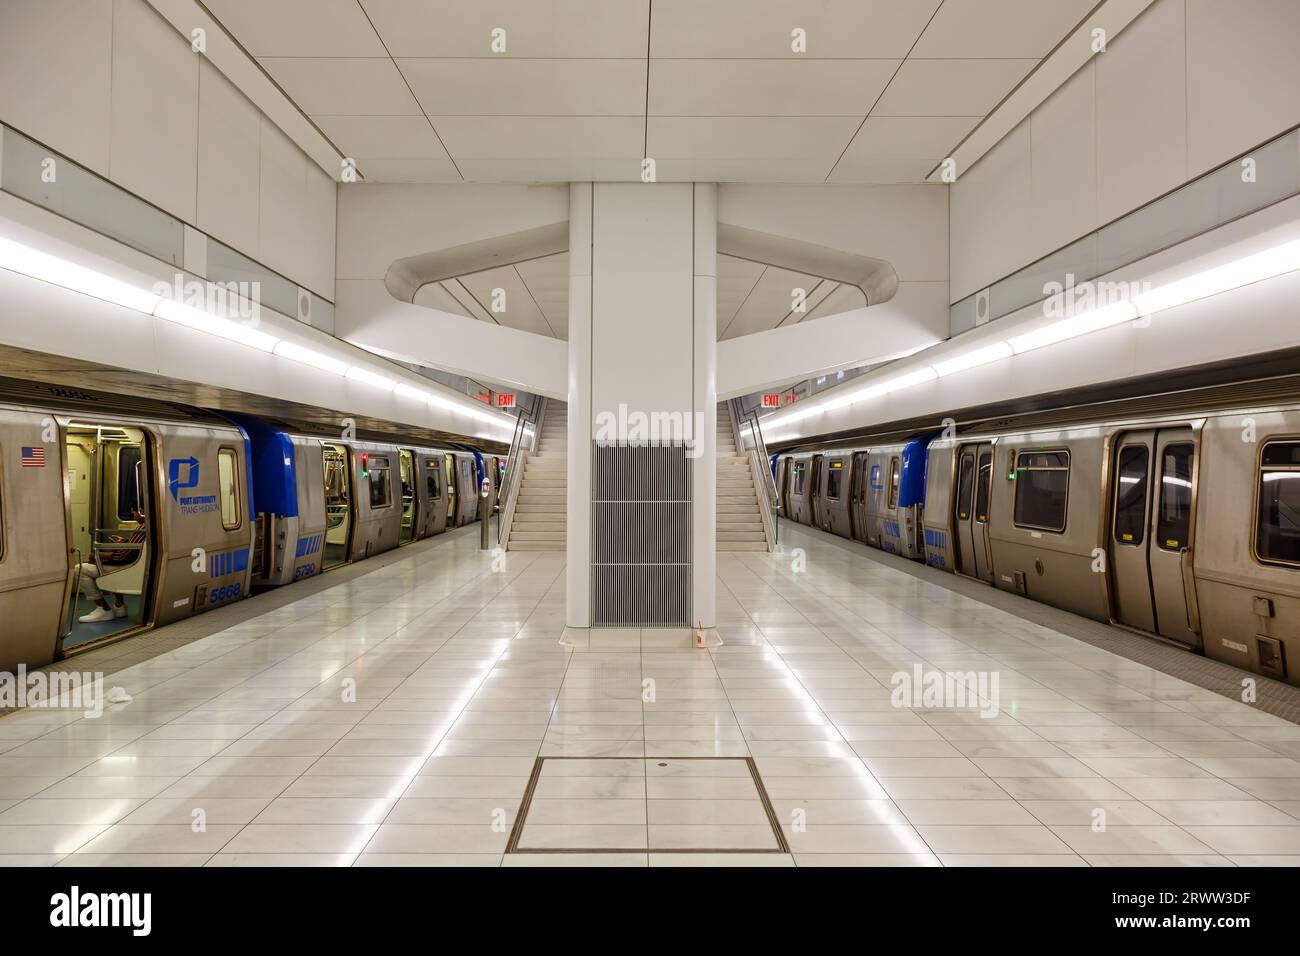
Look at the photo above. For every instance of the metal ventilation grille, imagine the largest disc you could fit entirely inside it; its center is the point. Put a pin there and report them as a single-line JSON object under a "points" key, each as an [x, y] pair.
{"points": [[641, 536]]}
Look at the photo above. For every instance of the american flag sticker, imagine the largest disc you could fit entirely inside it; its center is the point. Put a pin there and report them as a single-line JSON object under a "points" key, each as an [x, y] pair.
{"points": [[33, 457]]}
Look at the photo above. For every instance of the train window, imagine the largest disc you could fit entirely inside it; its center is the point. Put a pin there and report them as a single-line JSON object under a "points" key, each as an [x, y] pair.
{"points": [[893, 482], [432, 480], [1277, 535], [228, 488], [128, 482], [381, 491], [800, 476], [982, 484], [833, 484], [1042, 489], [1131, 494], [965, 486], [1175, 497]]}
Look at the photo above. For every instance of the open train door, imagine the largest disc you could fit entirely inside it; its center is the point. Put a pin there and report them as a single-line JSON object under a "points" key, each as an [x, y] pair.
{"points": [[114, 535], [340, 510]]}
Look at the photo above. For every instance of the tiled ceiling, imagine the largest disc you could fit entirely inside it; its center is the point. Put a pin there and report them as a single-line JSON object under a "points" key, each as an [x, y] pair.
{"points": [[710, 89], [534, 296]]}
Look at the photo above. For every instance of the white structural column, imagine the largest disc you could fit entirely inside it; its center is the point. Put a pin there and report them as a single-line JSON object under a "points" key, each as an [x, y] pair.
{"points": [[578, 523], [642, 345], [704, 477]]}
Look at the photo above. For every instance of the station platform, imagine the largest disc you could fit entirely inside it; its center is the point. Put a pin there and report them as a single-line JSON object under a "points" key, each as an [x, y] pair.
{"points": [[420, 709]]}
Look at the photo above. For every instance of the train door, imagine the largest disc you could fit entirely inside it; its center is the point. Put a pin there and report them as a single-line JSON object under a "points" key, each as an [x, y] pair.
{"points": [[339, 507], [114, 541], [1130, 516], [858, 488], [1147, 576], [433, 489], [971, 510], [406, 531], [1171, 529], [816, 500], [452, 484]]}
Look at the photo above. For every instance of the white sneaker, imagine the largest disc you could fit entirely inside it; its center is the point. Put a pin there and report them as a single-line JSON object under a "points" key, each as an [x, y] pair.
{"points": [[119, 610], [98, 615]]}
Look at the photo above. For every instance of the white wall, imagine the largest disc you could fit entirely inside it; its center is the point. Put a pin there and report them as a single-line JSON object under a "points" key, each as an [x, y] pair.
{"points": [[1187, 86], [113, 86]]}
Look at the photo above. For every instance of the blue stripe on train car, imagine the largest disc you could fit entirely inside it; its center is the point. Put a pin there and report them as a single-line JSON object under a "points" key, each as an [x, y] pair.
{"points": [[308, 545], [228, 562], [891, 528], [936, 539]]}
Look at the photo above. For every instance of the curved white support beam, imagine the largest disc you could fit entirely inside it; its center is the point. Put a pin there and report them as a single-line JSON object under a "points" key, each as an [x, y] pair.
{"points": [[368, 316], [916, 317]]}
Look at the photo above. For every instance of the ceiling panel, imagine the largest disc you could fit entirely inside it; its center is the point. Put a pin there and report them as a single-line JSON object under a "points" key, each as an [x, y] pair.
{"points": [[320, 28], [744, 137], [900, 148], [518, 310], [1000, 28], [728, 100], [521, 169], [542, 137], [506, 87], [389, 137], [766, 87], [756, 170], [736, 278], [843, 29], [358, 87], [951, 87], [434, 296], [768, 303], [548, 282], [556, 28], [842, 298], [385, 169]]}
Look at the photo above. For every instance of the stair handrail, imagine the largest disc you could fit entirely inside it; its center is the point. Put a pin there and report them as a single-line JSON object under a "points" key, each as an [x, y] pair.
{"points": [[760, 466], [510, 483]]}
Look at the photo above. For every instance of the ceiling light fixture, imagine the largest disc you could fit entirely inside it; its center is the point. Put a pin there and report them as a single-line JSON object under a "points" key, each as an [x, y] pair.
{"points": [[306, 356]]}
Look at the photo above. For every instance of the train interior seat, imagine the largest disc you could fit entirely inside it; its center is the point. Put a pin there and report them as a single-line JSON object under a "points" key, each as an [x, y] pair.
{"points": [[108, 478]]}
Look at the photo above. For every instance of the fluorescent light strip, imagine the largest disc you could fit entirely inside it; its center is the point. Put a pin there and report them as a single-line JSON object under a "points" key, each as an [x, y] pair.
{"points": [[359, 374], [190, 317], [1268, 264], [306, 356], [1094, 320], [973, 359], [55, 270]]}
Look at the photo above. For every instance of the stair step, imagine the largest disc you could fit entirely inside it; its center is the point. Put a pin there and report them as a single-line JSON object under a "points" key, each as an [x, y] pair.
{"points": [[742, 546]]}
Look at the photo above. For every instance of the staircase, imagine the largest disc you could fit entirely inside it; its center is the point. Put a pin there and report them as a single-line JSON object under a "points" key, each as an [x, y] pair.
{"points": [[542, 508], [740, 524]]}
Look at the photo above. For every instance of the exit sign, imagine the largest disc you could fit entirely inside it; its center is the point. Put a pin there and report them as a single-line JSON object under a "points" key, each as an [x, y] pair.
{"points": [[505, 401], [772, 400]]}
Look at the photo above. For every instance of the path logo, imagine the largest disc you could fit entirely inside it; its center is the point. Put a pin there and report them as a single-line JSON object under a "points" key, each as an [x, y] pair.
{"points": [[177, 466]]}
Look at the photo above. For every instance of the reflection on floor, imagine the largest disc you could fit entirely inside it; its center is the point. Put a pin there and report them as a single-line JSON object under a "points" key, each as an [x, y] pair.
{"points": [[397, 717], [85, 633]]}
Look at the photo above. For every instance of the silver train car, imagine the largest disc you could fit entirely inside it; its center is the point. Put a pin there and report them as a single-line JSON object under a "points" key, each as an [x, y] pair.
{"points": [[1183, 526], [119, 515]]}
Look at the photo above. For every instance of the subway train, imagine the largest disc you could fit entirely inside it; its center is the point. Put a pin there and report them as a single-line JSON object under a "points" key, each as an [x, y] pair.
{"points": [[1180, 521], [118, 515]]}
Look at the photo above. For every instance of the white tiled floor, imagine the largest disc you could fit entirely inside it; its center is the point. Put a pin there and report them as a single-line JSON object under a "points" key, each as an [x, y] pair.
{"points": [[461, 683]]}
